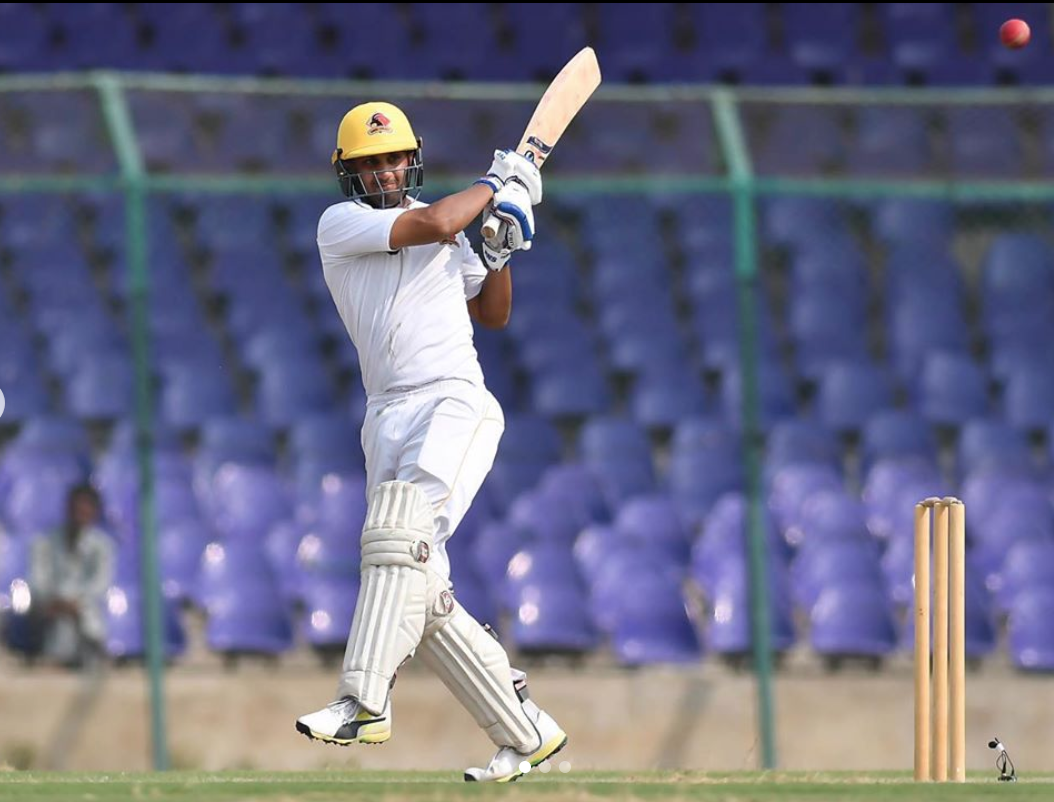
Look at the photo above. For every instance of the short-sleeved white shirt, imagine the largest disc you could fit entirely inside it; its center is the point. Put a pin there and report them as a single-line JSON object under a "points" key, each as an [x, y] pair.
{"points": [[404, 311]]}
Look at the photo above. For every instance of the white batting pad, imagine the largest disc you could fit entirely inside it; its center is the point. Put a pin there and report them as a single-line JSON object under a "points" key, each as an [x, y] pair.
{"points": [[390, 613], [474, 666]]}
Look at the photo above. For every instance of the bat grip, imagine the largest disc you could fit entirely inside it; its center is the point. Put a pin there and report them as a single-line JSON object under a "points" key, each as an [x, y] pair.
{"points": [[491, 226]]}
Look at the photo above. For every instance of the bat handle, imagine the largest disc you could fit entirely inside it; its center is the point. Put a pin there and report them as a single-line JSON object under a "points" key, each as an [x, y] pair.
{"points": [[491, 226]]}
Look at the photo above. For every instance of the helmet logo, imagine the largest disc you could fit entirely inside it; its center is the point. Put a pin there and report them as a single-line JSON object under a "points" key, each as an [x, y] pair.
{"points": [[378, 124]]}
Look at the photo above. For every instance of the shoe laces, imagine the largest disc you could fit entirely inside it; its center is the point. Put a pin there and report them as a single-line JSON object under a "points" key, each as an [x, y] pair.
{"points": [[346, 707]]}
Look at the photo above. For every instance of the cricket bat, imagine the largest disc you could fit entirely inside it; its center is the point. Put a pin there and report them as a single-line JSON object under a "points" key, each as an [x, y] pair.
{"points": [[568, 92]]}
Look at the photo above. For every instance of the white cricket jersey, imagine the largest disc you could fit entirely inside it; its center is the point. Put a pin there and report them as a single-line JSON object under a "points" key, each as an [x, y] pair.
{"points": [[405, 311]]}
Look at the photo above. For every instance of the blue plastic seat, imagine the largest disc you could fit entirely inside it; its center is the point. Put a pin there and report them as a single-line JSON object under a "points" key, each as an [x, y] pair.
{"points": [[248, 618], [495, 544], [922, 267], [662, 398], [1029, 563], [893, 485], [551, 617], [953, 389], [653, 523], [1030, 628], [1028, 398], [730, 628], [791, 486], [853, 620], [124, 625], [1016, 267], [919, 35], [775, 395], [820, 37], [734, 35], [800, 141], [339, 503], [800, 440], [329, 608], [592, 548], [897, 433], [290, 390], [828, 516], [984, 142], [329, 552], [990, 442], [181, 545], [193, 393], [834, 563], [851, 393], [548, 562], [925, 324], [246, 500], [900, 221], [101, 388], [607, 438], [792, 220], [653, 625]]}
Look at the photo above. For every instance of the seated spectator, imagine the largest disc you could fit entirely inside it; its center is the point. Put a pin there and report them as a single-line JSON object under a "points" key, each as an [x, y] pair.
{"points": [[70, 571]]}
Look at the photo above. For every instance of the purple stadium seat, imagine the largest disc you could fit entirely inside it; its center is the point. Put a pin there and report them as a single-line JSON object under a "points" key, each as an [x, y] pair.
{"points": [[828, 516], [1029, 253], [248, 618], [729, 630], [990, 442], [653, 523], [329, 608], [851, 393], [247, 499], [1029, 563], [577, 485], [724, 540], [953, 389], [328, 552], [1030, 628], [551, 616], [775, 395], [101, 388], [195, 392], [792, 486], [652, 625], [910, 220], [124, 624], [495, 544], [833, 563], [547, 563], [894, 433], [853, 619], [181, 545], [892, 487], [545, 517], [800, 440], [620, 569], [591, 549]]}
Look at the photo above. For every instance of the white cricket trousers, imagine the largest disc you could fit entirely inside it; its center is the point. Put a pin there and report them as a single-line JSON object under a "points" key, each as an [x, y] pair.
{"points": [[443, 438]]}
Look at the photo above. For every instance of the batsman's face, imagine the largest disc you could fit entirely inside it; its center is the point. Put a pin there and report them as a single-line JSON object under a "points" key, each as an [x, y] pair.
{"points": [[384, 175]]}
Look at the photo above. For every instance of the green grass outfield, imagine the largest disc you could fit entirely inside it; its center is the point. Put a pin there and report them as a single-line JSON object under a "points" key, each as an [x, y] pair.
{"points": [[344, 785]]}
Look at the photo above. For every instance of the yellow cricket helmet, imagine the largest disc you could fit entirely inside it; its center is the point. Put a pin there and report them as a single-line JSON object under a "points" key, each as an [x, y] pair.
{"points": [[371, 129]]}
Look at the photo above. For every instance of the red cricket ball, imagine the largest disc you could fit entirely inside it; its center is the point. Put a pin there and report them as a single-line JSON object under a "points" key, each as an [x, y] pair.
{"points": [[1014, 33]]}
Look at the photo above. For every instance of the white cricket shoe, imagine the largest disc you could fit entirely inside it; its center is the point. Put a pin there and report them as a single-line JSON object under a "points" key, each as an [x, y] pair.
{"points": [[344, 722], [504, 767]]}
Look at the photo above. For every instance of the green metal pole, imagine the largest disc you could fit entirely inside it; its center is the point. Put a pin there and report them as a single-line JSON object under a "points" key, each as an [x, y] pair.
{"points": [[122, 133], [733, 143]]}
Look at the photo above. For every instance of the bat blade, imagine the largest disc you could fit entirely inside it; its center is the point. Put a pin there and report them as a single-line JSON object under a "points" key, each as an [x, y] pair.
{"points": [[563, 99]]}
